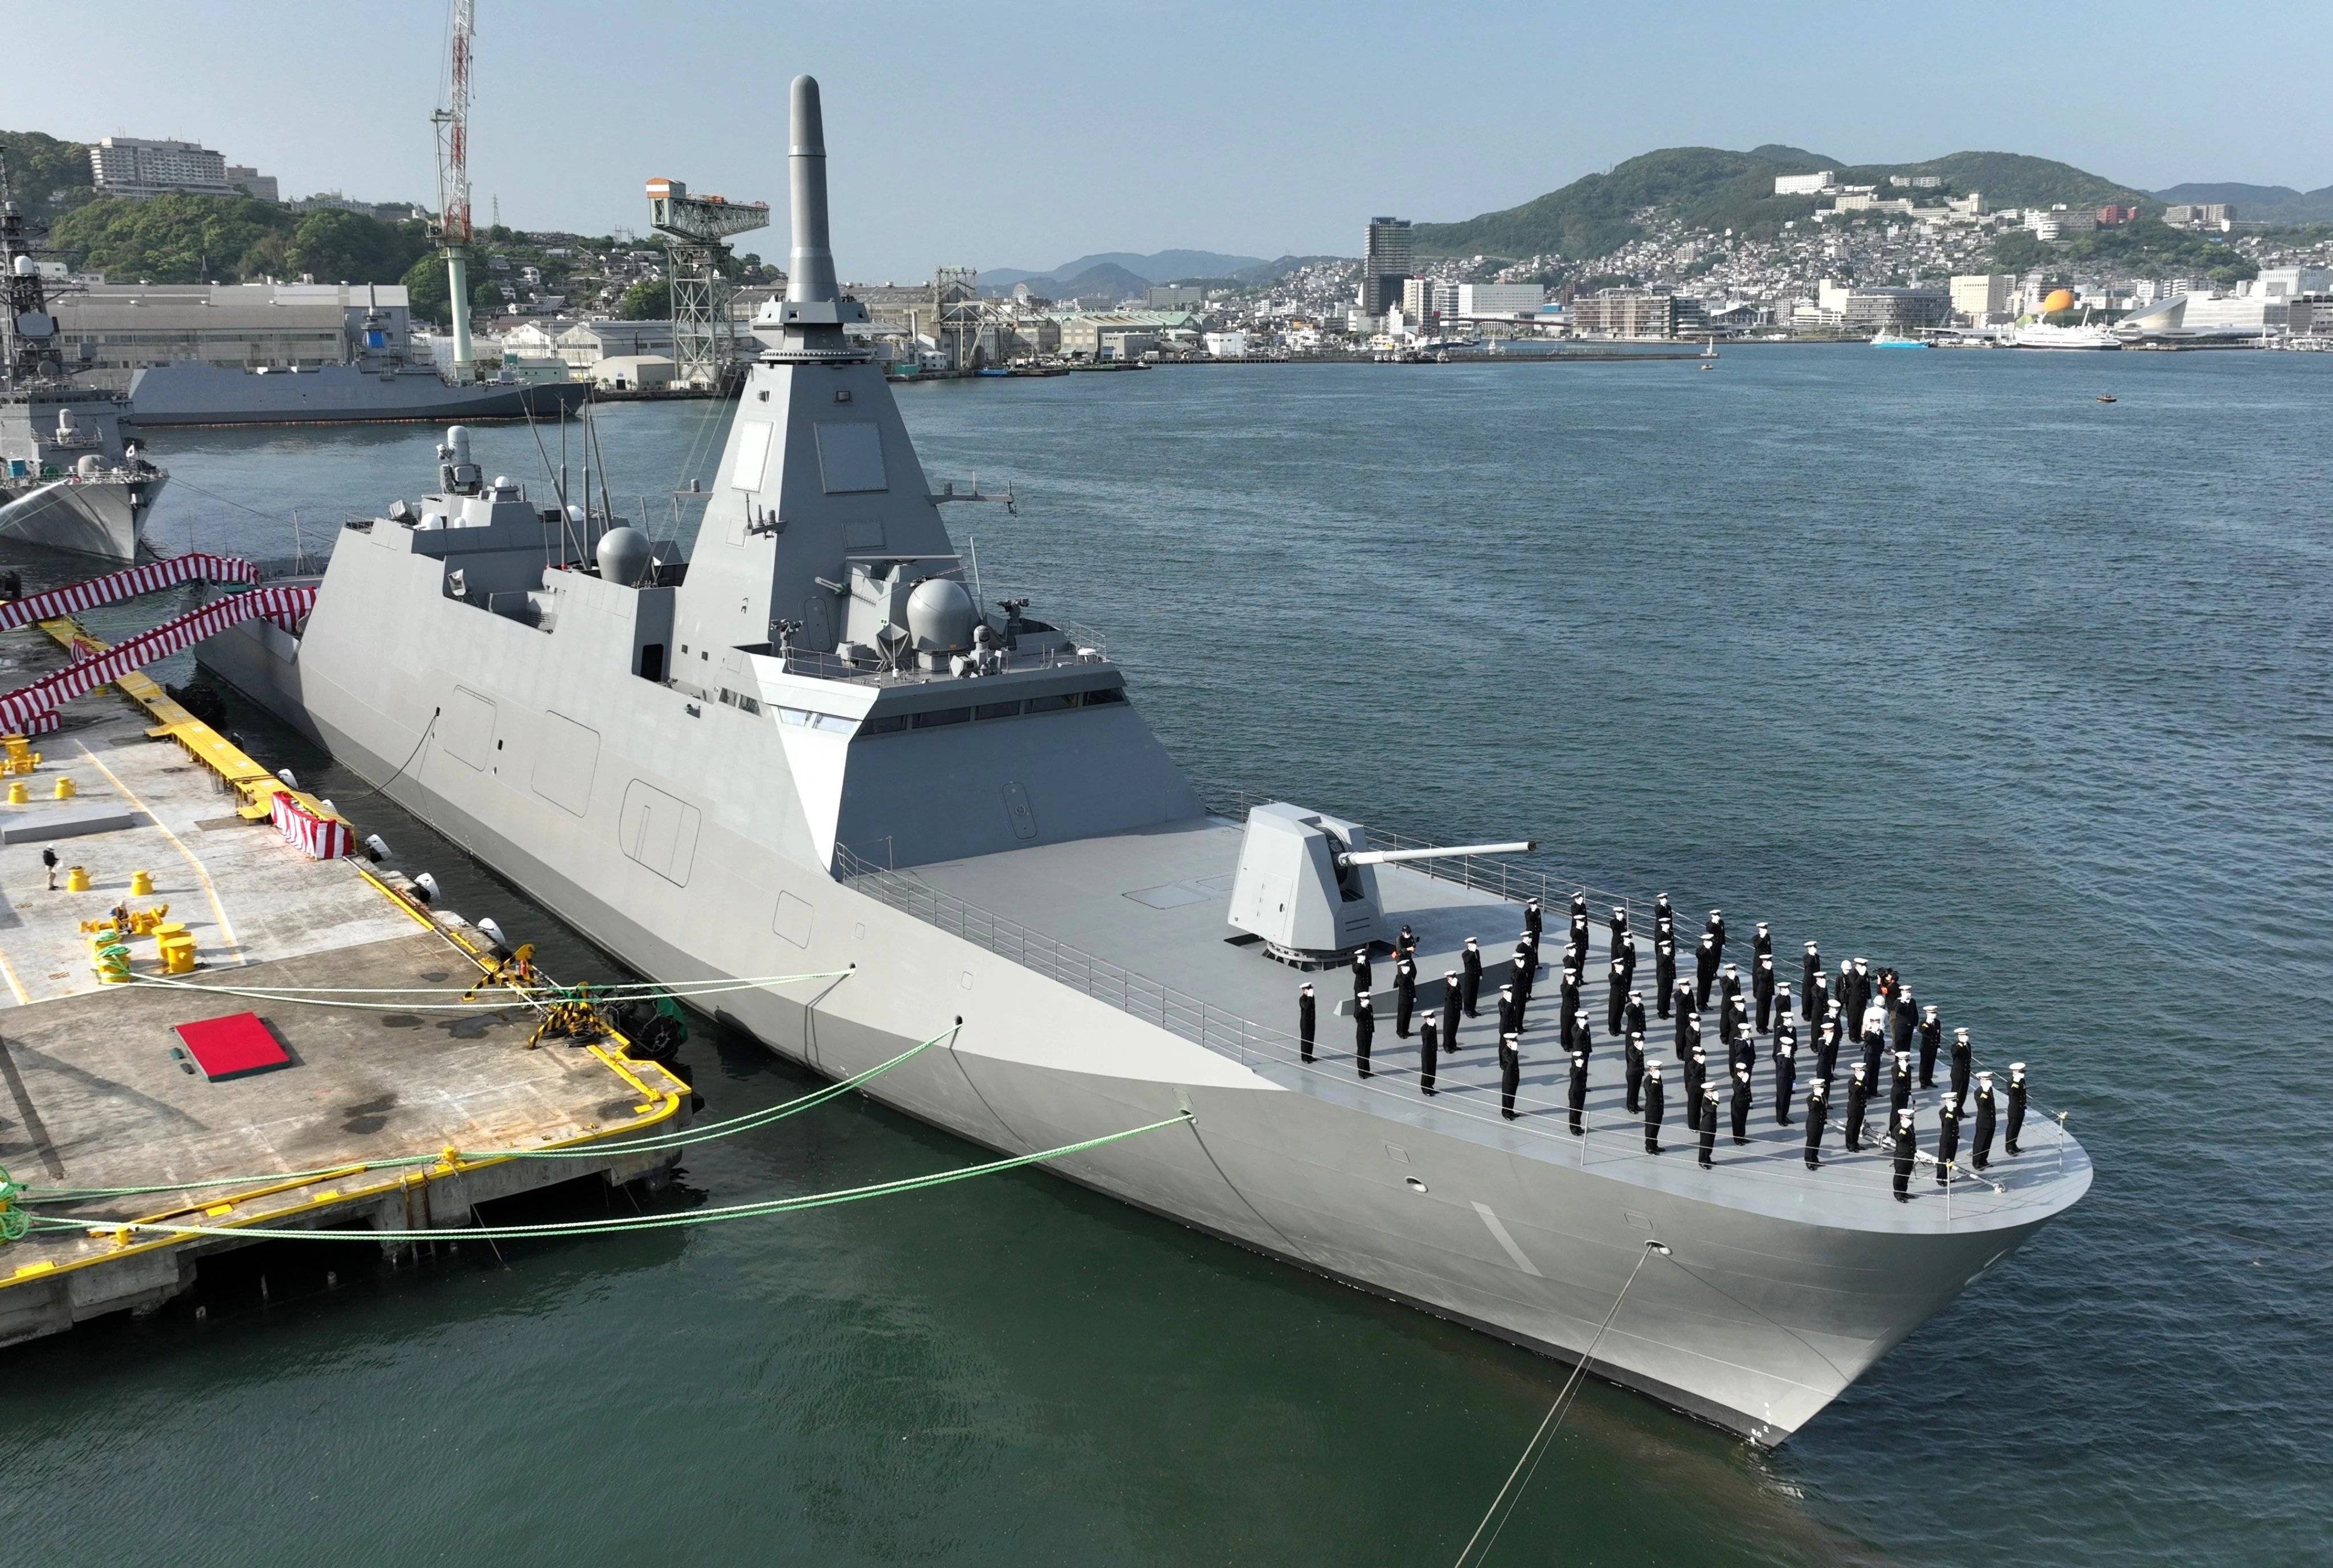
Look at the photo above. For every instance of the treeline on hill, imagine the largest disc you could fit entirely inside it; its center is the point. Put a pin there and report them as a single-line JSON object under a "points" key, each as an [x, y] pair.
{"points": [[2147, 247], [192, 239], [1712, 188], [43, 173]]}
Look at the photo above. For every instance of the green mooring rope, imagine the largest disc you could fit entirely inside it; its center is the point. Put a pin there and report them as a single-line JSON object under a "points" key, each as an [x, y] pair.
{"points": [[705, 1133], [641, 1222]]}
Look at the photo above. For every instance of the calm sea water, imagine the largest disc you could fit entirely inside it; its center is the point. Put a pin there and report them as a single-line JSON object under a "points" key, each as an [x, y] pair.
{"points": [[1929, 656]]}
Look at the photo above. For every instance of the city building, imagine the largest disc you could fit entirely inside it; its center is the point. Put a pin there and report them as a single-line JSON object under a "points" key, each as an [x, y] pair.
{"points": [[1386, 262], [2216, 215], [1813, 184], [1225, 345], [1417, 299], [632, 372], [1479, 301], [586, 343], [112, 330], [1877, 310], [2285, 282], [2112, 216], [1982, 297], [1174, 297], [2061, 222], [1635, 313], [136, 169], [1088, 335], [1915, 181], [252, 182]]}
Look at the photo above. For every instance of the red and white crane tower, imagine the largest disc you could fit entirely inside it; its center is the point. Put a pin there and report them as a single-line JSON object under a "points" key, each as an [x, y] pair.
{"points": [[453, 226]]}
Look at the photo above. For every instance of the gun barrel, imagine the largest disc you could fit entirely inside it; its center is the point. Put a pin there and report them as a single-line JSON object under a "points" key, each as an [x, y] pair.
{"points": [[1390, 857]]}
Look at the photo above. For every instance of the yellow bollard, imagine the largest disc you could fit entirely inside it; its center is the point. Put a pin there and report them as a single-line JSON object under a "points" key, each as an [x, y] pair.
{"points": [[77, 879], [141, 884], [64, 790], [18, 794]]}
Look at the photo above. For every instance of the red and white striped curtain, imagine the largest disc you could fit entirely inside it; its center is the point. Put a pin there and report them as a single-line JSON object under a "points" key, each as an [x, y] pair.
{"points": [[196, 566], [318, 837], [32, 708]]}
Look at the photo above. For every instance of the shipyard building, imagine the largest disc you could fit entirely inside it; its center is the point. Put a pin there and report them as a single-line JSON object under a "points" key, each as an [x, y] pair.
{"points": [[109, 331]]}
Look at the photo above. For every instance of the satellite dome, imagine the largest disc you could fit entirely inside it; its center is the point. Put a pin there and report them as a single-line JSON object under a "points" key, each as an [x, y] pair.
{"points": [[624, 555], [939, 616]]}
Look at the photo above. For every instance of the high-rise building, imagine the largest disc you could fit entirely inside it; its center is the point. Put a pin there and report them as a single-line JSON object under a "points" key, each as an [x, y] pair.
{"points": [[1386, 262], [1982, 296], [132, 167]]}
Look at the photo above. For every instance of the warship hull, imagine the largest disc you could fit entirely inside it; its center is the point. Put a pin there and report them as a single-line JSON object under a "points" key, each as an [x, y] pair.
{"points": [[195, 393], [1756, 1318], [104, 517]]}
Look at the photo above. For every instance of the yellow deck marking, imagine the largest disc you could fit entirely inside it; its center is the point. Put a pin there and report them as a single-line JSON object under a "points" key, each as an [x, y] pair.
{"points": [[226, 927], [22, 999]]}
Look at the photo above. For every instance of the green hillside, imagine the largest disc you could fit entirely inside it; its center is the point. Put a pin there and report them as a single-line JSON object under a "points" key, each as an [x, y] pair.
{"points": [[43, 172], [190, 239], [1712, 188]]}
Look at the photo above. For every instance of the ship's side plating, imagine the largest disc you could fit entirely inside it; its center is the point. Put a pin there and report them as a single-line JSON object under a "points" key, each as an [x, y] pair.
{"points": [[675, 768]]}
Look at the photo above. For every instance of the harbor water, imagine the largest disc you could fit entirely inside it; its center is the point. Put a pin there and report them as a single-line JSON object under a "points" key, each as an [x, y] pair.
{"points": [[1934, 658]]}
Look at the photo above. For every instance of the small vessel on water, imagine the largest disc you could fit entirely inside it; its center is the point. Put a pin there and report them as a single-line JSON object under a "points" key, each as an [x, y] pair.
{"points": [[808, 750], [2050, 335], [69, 477], [1895, 338]]}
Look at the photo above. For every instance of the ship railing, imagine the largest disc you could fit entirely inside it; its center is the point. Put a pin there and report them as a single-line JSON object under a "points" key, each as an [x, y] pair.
{"points": [[1177, 1012], [1611, 1141], [824, 666], [1500, 876]]}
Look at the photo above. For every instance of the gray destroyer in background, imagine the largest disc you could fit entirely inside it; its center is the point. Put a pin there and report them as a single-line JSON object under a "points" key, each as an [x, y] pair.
{"points": [[69, 479], [807, 750]]}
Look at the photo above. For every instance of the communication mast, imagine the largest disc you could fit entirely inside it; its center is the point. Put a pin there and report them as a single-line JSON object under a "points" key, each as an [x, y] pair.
{"points": [[693, 228], [453, 226]]}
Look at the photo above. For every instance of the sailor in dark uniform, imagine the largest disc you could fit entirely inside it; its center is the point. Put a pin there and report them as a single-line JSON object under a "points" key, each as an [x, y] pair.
{"points": [[1807, 985], [1664, 916], [1617, 922], [1729, 1015], [1817, 1102], [1684, 1008], [1361, 983], [1579, 1091], [1948, 1141], [1707, 1126], [1617, 999], [1635, 1071], [1761, 942], [1741, 1105], [1429, 1052], [1875, 1043], [1632, 1015], [1907, 1154], [1526, 966], [1511, 1073], [1510, 1015], [2016, 1107], [1964, 1058], [1304, 1021], [1696, 1074], [1579, 939], [1627, 958], [1568, 1003], [1931, 1036], [1862, 986], [1688, 1035], [1579, 904], [1899, 1087], [1663, 971], [1450, 1011], [1843, 992], [1531, 920], [1704, 969], [1903, 1017], [1782, 1006], [1582, 1038], [1470, 966], [1652, 1107], [1365, 1028], [1786, 1075], [1729, 983], [1818, 1001], [1405, 994], [1715, 929], [1761, 988], [1981, 1141], [1826, 1044], [1741, 1053], [1406, 945], [1857, 1093]]}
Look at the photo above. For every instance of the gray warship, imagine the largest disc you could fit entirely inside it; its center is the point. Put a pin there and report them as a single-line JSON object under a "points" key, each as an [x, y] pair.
{"points": [[69, 477], [806, 750]]}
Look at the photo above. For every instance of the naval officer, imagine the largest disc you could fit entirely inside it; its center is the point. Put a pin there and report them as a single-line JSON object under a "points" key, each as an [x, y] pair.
{"points": [[1511, 1072], [1704, 969], [1304, 1021], [1361, 983], [1533, 921], [1653, 1107], [1696, 1076], [1511, 1017], [1632, 1016], [1859, 1092], [1405, 994], [1616, 999], [1708, 1128], [1899, 1087], [1470, 966], [1635, 1068], [1761, 988], [1981, 1141], [1948, 1141], [1964, 1058], [1813, 972], [1579, 1095], [1818, 1102], [1907, 1154], [1931, 1036], [1786, 1073], [1365, 1028], [1450, 1013], [1429, 1053], [2016, 1107], [1663, 971], [1741, 1105]]}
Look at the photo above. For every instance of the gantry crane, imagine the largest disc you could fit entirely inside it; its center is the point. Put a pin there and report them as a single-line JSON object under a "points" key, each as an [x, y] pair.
{"points": [[693, 228]]}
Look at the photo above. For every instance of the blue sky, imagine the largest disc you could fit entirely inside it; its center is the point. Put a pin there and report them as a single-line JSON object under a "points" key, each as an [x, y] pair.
{"points": [[1025, 132]]}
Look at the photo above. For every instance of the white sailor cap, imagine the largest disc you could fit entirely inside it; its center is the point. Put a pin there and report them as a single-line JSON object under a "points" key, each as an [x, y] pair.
{"points": [[1652, 1070], [1761, 924], [1985, 1078], [1449, 974], [1930, 1010], [1506, 990], [1960, 1034], [1363, 1001], [2016, 1068], [1308, 985], [1861, 966]]}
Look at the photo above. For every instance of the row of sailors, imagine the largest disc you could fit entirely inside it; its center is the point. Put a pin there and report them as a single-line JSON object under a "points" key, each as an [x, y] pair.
{"points": [[1887, 1006]]}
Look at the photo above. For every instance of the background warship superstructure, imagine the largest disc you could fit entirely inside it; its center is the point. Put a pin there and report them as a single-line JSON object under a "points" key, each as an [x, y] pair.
{"points": [[808, 750]]}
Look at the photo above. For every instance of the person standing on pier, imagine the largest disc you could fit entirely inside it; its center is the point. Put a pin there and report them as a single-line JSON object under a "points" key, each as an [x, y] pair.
{"points": [[1511, 1072], [1304, 1005]]}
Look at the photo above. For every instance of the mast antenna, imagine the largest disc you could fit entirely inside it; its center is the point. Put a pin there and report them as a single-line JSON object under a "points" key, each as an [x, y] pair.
{"points": [[453, 226]]}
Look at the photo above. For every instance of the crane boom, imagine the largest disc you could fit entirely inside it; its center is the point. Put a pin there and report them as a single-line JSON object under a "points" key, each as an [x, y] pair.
{"points": [[453, 123]]}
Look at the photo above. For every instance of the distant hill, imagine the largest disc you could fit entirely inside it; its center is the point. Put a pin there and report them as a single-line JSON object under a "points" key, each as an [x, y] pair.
{"points": [[45, 173], [2275, 203], [1713, 188], [1164, 266], [1102, 279]]}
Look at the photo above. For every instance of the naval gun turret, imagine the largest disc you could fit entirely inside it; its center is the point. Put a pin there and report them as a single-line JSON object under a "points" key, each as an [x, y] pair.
{"points": [[1306, 882]]}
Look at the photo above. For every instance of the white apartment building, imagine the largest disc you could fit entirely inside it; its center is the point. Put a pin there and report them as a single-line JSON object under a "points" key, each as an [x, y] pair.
{"points": [[1813, 184], [1500, 300], [137, 169], [1982, 297]]}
